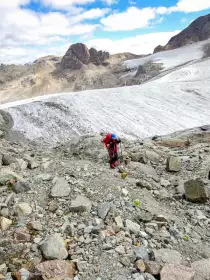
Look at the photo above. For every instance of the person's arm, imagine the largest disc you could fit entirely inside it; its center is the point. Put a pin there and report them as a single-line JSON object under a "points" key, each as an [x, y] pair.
{"points": [[119, 141], [106, 140]]}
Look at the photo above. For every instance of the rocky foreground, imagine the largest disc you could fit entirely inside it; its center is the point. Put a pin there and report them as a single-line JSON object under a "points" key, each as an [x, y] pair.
{"points": [[65, 214]]}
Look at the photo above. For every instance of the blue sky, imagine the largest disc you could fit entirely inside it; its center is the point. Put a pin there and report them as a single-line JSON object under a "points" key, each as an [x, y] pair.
{"points": [[35, 28]]}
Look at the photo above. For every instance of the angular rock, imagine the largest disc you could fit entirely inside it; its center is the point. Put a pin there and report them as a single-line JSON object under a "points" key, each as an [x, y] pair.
{"points": [[22, 163], [141, 253], [161, 218], [145, 216], [24, 274], [174, 272], [144, 184], [54, 248], [148, 276], [152, 156], [53, 206], [148, 171], [195, 191], [23, 209], [138, 277], [153, 268], [140, 265], [81, 204], [119, 222], [173, 164], [57, 270], [3, 269], [206, 252], [141, 70], [152, 225], [7, 160], [61, 188], [32, 165], [132, 227], [165, 183], [202, 269], [125, 192], [138, 157], [104, 209], [36, 225], [5, 223], [4, 212], [22, 235], [126, 261], [120, 249], [167, 256], [20, 187]]}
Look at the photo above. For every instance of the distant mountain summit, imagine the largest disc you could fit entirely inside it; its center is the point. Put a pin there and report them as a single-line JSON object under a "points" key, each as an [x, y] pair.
{"points": [[198, 30]]}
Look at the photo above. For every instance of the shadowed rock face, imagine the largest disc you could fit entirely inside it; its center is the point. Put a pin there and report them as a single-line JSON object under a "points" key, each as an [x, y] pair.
{"points": [[79, 55], [198, 30], [76, 56]]}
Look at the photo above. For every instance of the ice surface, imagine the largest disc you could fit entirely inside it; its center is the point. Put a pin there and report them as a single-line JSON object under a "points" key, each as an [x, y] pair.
{"points": [[178, 100]]}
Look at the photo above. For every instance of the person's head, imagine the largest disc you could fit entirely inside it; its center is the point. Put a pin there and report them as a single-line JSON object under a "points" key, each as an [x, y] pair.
{"points": [[114, 136], [103, 133]]}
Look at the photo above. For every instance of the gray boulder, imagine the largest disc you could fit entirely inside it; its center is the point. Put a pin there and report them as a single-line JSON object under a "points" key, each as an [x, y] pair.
{"points": [[61, 188], [173, 164], [7, 160], [21, 187], [202, 269], [141, 253], [103, 209], [173, 272], [53, 248], [195, 191], [132, 227], [81, 204], [148, 171], [167, 256]]}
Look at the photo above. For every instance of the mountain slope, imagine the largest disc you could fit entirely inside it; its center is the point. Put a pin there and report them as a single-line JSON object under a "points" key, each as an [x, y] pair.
{"points": [[198, 30], [172, 59]]}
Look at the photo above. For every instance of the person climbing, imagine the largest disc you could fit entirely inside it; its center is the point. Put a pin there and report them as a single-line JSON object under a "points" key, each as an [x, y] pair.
{"points": [[111, 142]]}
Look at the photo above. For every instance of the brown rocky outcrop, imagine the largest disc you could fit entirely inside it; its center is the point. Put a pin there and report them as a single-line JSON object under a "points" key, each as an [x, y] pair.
{"points": [[79, 55]]}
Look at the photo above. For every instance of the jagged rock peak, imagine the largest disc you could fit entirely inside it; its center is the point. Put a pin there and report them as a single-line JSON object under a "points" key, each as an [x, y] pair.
{"points": [[79, 55]]}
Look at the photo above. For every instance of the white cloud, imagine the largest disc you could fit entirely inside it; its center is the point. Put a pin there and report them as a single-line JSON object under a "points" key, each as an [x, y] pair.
{"points": [[110, 2], [90, 14], [162, 10], [189, 6], [12, 3], [183, 20], [132, 18], [21, 26], [65, 4], [141, 44]]}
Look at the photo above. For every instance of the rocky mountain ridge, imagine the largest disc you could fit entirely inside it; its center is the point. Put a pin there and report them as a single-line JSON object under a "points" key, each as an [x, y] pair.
{"points": [[198, 30]]}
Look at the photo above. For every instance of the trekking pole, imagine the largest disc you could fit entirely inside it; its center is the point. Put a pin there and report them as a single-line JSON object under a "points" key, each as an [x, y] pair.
{"points": [[121, 152]]}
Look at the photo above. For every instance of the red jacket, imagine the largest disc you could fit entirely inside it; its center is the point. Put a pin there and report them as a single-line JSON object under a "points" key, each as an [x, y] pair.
{"points": [[107, 139]]}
